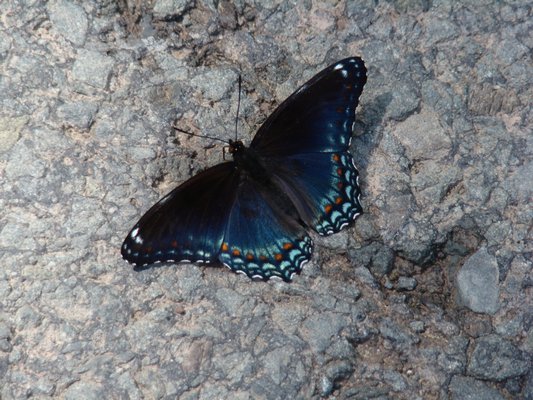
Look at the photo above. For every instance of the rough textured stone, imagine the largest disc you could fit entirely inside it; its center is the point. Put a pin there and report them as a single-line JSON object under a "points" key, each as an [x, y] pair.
{"points": [[497, 359], [89, 92], [423, 136], [170, 8], [79, 115], [405, 283], [10, 132], [91, 69], [466, 388], [478, 283], [70, 20]]}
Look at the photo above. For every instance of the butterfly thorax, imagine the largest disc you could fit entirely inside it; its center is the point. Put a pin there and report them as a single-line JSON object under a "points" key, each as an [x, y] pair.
{"points": [[248, 161]]}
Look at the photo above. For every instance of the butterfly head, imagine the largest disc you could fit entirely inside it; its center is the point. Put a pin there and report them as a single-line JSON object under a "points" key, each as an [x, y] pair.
{"points": [[235, 147]]}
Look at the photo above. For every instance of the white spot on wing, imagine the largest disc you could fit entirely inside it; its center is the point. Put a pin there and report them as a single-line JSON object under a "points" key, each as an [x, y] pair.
{"points": [[164, 199], [338, 66]]}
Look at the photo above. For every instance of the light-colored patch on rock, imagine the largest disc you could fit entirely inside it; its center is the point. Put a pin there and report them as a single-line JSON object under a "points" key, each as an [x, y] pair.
{"points": [[477, 283], [423, 137]]}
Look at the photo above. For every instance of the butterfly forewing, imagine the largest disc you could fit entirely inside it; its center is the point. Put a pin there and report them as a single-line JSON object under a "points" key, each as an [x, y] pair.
{"points": [[188, 224], [318, 117]]}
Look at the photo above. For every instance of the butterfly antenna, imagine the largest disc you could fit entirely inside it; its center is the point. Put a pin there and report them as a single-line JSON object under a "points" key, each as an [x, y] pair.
{"points": [[238, 107], [202, 136]]}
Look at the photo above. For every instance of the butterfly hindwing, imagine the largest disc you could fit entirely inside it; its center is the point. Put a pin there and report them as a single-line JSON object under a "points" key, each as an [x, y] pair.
{"points": [[318, 117], [188, 224], [322, 186], [262, 239]]}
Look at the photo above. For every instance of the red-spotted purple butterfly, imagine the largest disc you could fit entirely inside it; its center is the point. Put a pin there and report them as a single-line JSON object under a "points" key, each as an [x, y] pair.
{"points": [[252, 214]]}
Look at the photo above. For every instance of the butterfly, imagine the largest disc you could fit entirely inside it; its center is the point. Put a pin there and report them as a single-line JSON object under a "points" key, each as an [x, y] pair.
{"points": [[253, 213]]}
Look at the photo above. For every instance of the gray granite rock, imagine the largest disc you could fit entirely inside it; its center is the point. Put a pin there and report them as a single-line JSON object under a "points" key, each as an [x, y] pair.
{"points": [[10, 129], [528, 387], [85, 390], [405, 283], [497, 359], [166, 9], [89, 92], [78, 114], [466, 388], [70, 20], [326, 386], [478, 283], [423, 137], [91, 70]]}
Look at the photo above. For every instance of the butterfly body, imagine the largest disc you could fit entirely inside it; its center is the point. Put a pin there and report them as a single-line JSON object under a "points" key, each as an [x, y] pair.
{"points": [[252, 214], [247, 161]]}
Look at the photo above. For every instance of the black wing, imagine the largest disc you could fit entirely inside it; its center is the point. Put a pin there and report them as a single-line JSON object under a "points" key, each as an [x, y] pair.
{"points": [[188, 224], [318, 117], [304, 145]]}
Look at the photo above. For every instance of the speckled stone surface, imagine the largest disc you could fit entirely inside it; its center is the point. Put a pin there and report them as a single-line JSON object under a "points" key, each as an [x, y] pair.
{"points": [[389, 308]]}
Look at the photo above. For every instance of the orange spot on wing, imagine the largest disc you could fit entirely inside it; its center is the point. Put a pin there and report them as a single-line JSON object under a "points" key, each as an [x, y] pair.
{"points": [[224, 247], [278, 257], [340, 110], [236, 252], [328, 208], [287, 246], [174, 243], [339, 171], [338, 200], [340, 185], [249, 256], [336, 157], [262, 258]]}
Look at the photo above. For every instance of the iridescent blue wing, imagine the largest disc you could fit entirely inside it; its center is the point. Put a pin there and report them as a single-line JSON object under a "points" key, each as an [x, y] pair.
{"points": [[304, 145], [318, 117], [188, 224], [263, 237], [322, 186]]}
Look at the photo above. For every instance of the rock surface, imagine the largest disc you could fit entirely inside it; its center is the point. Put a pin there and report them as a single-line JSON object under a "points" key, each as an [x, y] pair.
{"points": [[428, 295], [478, 282]]}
